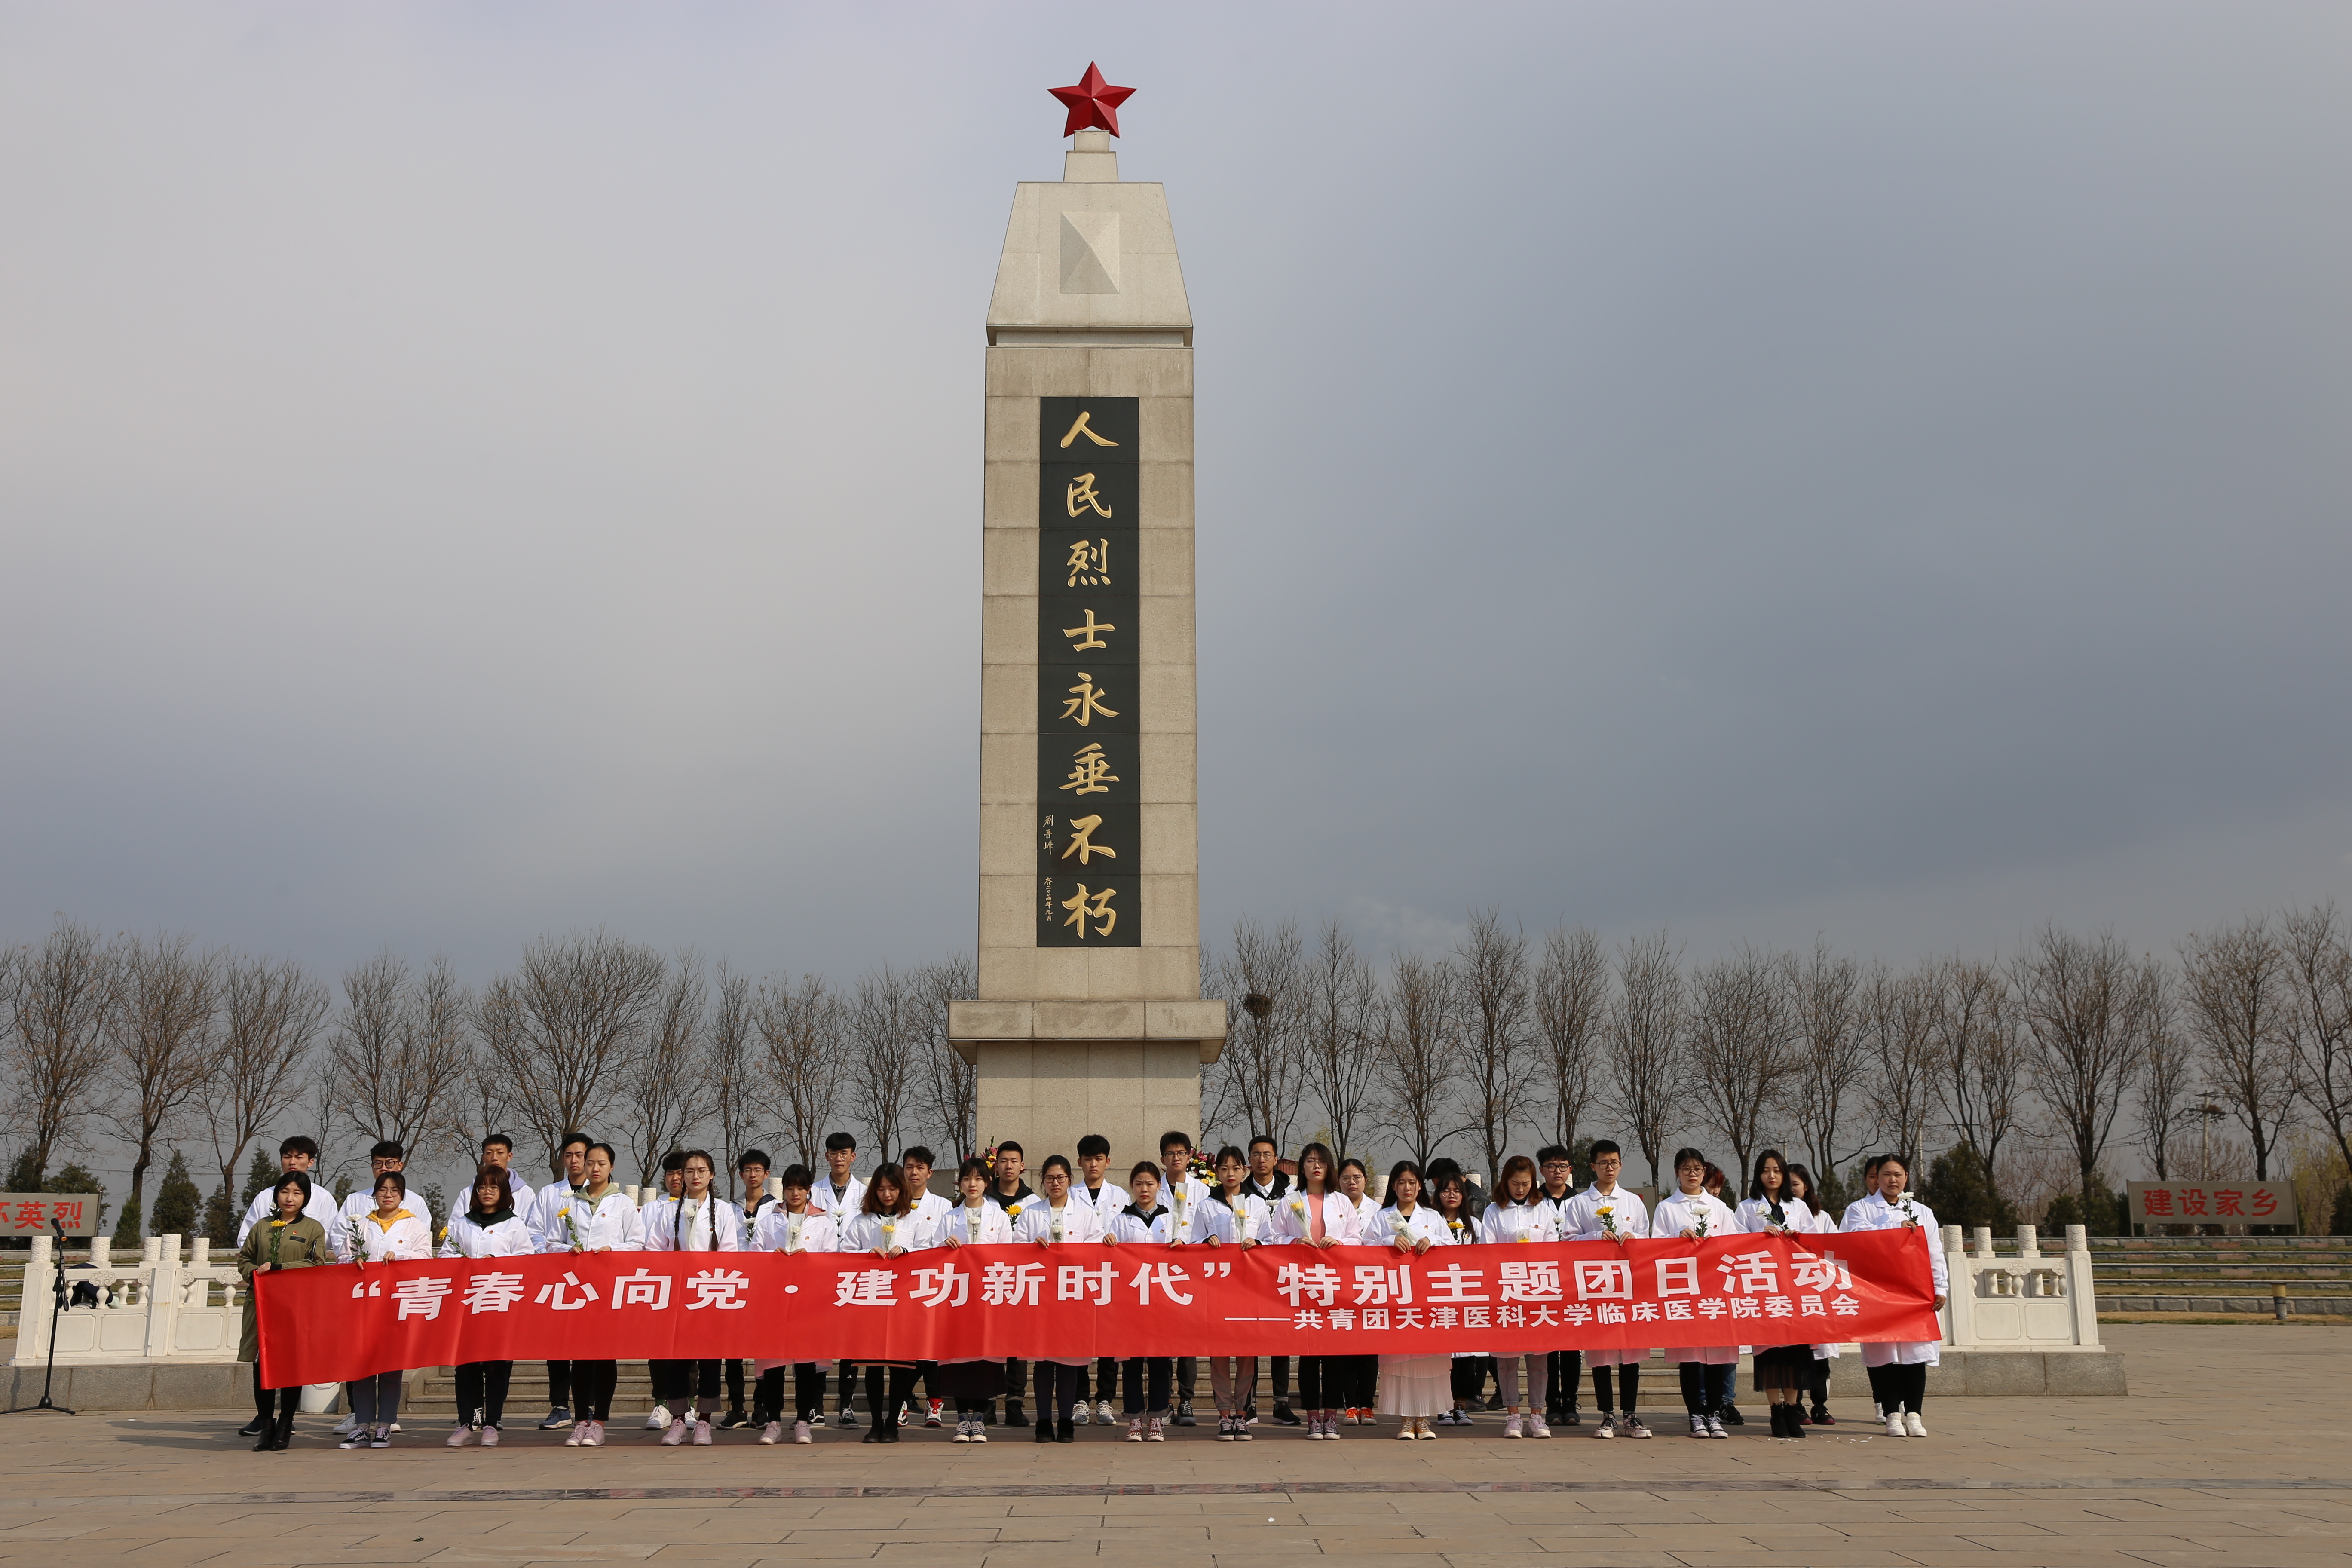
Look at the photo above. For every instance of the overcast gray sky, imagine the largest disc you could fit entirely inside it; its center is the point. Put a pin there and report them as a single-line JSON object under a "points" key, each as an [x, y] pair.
{"points": [[470, 471]]}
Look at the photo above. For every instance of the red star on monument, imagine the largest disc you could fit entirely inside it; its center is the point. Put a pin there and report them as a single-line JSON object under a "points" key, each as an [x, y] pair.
{"points": [[1093, 103]]}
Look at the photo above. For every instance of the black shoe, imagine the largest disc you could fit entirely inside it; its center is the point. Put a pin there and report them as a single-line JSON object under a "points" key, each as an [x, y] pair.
{"points": [[283, 1437], [1065, 1430], [1014, 1415], [255, 1427], [876, 1435], [1044, 1430], [987, 1414], [1496, 1403], [1185, 1413], [890, 1433], [732, 1419], [1731, 1416], [1284, 1415], [267, 1441], [1572, 1417], [1822, 1416]]}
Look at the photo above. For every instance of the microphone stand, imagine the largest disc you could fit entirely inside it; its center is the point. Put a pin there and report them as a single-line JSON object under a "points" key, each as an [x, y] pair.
{"points": [[57, 1309]]}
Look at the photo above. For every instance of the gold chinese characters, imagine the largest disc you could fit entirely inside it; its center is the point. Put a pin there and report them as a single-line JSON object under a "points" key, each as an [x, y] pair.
{"points": [[1084, 905]]}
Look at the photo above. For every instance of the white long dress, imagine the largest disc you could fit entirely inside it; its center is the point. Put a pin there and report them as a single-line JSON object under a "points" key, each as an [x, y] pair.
{"points": [[1874, 1213], [1418, 1385]]}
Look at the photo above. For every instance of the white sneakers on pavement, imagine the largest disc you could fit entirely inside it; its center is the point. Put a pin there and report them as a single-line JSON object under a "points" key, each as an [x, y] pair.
{"points": [[1913, 1424]]}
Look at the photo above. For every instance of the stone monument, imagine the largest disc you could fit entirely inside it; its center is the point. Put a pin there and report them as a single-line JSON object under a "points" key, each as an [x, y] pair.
{"points": [[1089, 1017]]}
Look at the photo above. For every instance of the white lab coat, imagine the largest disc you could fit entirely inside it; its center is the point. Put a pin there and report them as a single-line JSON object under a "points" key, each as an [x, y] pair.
{"points": [[1128, 1225], [510, 1237], [1580, 1221], [1755, 1215], [1874, 1213], [1676, 1212], [1109, 1201], [1292, 1213], [1422, 1224], [408, 1237], [822, 1199], [778, 1229], [673, 1225], [609, 1224], [910, 1233], [1360, 1218], [321, 1207], [986, 1225], [1038, 1217], [1249, 1218], [1520, 1222]]}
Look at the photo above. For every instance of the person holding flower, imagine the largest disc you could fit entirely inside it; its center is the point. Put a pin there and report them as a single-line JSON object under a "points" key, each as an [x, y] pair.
{"points": [[1607, 1212], [597, 1218], [488, 1228], [1772, 1208], [1898, 1370], [974, 1221], [694, 1221], [1146, 1380], [1314, 1215], [1053, 1218], [1416, 1387], [1816, 1382], [792, 1224], [1234, 1217], [1106, 1198], [1518, 1215], [290, 1239], [888, 1226], [1449, 1193], [387, 1233], [1691, 1213]]}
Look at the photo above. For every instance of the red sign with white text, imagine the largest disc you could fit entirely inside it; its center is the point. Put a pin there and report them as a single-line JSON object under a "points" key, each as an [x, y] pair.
{"points": [[1081, 1300]]}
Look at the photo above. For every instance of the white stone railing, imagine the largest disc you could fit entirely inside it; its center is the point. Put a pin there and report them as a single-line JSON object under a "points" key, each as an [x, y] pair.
{"points": [[158, 1309], [2028, 1302]]}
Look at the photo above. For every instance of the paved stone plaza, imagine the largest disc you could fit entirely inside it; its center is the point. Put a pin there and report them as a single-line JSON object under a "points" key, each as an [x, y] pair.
{"points": [[2231, 1449]]}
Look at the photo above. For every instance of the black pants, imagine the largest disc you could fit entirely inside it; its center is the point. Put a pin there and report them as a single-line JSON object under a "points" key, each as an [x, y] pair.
{"points": [[848, 1372], [273, 1402], [1897, 1386], [808, 1393], [1016, 1377], [1817, 1384], [1282, 1380], [1319, 1377], [1144, 1377], [1600, 1389], [1567, 1370], [675, 1382], [1364, 1381], [1707, 1385], [734, 1384], [1058, 1388], [593, 1383], [1188, 1376], [1470, 1377], [887, 1388], [482, 1392], [558, 1385], [1105, 1379]]}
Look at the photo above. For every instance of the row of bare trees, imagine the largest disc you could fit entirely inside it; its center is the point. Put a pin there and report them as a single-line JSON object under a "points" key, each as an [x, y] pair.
{"points": [[2074, 1042], [151, 1041]]}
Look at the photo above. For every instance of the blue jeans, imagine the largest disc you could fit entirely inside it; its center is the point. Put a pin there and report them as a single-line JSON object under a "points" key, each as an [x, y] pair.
{"points": [[376, 1400]]}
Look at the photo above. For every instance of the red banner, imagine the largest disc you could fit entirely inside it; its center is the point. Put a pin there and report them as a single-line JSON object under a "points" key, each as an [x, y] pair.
{"points": [[339, 1322]]}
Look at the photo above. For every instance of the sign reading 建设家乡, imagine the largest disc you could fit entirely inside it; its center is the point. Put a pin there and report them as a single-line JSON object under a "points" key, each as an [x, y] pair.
{"points": [[1089, 1300]]}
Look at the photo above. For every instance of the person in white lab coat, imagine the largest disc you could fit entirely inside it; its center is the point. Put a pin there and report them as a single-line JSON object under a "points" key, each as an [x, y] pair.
{"points": [[1817, 1376], [1147, 1380], [1313, 1213], [1419, 1386], [489, 1227], [1519, 1216], [389, 1232], [1359, 1373], [598, 1218], [498, 1150], [1051, 1218], [698, 1220], [973, 1222], [1092, 1188], [931, 1208], [1184, 1192], [1691, 1213], [888, 1225], [792, 1225], [296, 1154], [1234, 1217], [539, 1213], [1898, 1370], [1607, 1212], [1772, 1208], [1449, 1193], [841, 1194]]}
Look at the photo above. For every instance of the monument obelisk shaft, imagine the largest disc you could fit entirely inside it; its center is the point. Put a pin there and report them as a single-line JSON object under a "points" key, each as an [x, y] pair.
{"points": [[1089, 1017]]}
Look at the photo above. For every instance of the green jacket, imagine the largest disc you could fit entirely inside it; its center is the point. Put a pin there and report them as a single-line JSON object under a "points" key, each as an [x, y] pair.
{"points": [[303, 1244]]}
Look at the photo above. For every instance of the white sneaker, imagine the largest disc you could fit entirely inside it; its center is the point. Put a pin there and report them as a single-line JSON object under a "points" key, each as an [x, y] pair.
{"points": [[1081, 1413], [1913, 1424], [1894, 1427], [979, 1430], [1698, 1425], [658, 1418], [596, 1435], [801, 1433], [460, 1435], [1511, 1425], [490, 1437], [1135, 1428], [1405, 1431], [1602, 1428], [576, 1437], [1151, 1432], [1630, 1426], [1714, 1427], [1103, 1415], [1535, 1427], [675, 1434], [702, 1434], [772, 1434], [963, 1430], [346, 1426]]}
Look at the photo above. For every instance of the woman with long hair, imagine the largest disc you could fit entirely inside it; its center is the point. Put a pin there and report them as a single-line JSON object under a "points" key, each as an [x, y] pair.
{"points": [[792, 1224], [974, 1385], [1771, 1208], [1449, 1194], [1415, 1388], [597, 1218], [1147, 1383], [1817, 1378], [1362, 1372], [388, 1233], [887, 1225], [1234, 1217], [1053, 1218], [699, 1220], [1691, 1213], [1519, 1216], [1313, 1213], [288, 1239], [488, 1228], [1898, 1370]]}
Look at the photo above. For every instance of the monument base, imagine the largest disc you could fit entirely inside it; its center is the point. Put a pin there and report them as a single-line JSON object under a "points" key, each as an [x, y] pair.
{"points": [[1050, 1072]]}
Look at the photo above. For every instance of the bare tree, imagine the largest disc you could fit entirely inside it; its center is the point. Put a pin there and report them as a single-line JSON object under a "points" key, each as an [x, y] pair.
{"points": [[2240, 999], [272, 1014], [484, 1102], [800, 1025], [1572, 1002], [1492, 961], [946, 1088], [1645, 1036], [735, 1069], [2086, 1004], [1980, 1061], [880, 1072], [1833, 1052], [2167, 1080], [400, 1050], [61, 997], [1898, 1025], [162, 1034], [668, 1085], [1739, 1046], [2319, 964], [1260, 1066], [564, 1028], [1341, 1000], [1420, 1043]]}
